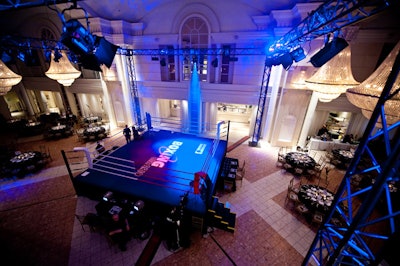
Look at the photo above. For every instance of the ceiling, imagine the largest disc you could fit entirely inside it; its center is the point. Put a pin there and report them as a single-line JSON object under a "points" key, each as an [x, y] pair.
{"points": [[135, 10]]}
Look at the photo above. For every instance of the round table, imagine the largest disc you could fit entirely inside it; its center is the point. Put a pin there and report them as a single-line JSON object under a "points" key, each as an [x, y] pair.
{"points": [[300, 160], [316, 198], [94, 132], [25, 162], [343, 155]]}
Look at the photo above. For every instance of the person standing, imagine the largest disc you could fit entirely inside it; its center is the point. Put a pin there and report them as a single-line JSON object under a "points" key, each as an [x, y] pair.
{"points": [[127, 134], [135, 133]]}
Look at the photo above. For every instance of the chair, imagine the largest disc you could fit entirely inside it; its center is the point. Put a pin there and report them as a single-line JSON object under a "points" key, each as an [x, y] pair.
{"points": [[292, 197], [241, 168], [301, 208], [229, 185], [298, 171], [292, 194], [90, 219], [287, 167], [281, 160], [45, 151], [293, 187], [317, 218], [240, 176]]}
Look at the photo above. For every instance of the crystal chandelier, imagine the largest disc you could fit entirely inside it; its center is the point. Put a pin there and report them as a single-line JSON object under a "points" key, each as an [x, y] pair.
{"points": [[7, 79], [62, 71], [366, 95], [299, 81], [333, 78]]}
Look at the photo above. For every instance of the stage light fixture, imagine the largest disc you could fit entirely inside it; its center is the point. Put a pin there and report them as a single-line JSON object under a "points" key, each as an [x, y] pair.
{"points": [[108, 196], [285, 60], [298, 54], [214, 62], [57, 55], [163, 62], [92, 50], [328, 52]]}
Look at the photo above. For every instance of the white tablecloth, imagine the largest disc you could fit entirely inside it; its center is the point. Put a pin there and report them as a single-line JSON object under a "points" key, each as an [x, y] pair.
{"points": [[320, 145]]}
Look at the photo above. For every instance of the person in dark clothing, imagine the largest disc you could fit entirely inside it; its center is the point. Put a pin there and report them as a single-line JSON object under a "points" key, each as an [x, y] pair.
{"points": [[135, 133], [348, 139], [100, 148], [119, 231], [127, 134], [322, 130]]}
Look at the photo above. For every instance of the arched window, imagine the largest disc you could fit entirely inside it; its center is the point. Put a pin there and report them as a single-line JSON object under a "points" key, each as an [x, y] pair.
{"points": [[46, 34], [194, 35]]}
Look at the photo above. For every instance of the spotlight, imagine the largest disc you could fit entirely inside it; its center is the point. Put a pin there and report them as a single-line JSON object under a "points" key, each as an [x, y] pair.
{"points": [[92, 50], [57, 55], [298, 54], [108, 196], [104, 51], [77, 38], [214, 62], [29, 57], [6, 57], [328, 52], [139, 205], [286, 60], [163, 62]]}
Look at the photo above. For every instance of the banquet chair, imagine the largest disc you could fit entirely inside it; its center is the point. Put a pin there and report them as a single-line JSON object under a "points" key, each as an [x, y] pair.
{"points": [[302, 208], [317, 218], [239, 176], [292, 194], [45, 151], [281, 160], [90, 219], [287, 167], [295, 187], [281, 152], [241, 168], [229, 186], [298, 171]]}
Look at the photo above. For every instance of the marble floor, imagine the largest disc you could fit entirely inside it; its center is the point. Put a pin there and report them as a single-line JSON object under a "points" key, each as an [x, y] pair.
{"points": [[267, 231]]}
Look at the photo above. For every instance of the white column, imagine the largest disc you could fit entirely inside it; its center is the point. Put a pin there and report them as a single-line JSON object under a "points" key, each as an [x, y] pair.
{"points": [[123, 75], [108, 104], [308, 119], [275, 81]]}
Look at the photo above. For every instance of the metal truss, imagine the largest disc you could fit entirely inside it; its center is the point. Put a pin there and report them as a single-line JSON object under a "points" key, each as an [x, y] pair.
{"points": [[193, 51], [261, 105], [363, 217], [327, 18], [133, 88]]}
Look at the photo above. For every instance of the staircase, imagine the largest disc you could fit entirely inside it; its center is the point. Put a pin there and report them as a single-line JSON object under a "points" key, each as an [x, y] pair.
{"points": [[220, 216]]}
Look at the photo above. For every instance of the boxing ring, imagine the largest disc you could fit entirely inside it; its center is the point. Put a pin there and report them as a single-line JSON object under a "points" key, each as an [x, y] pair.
{"points": [[160, 168]]}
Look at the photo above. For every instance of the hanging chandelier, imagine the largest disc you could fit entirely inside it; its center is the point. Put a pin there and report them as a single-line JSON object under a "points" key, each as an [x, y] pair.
{"points": [[7, 79], [366, 95], [62, 71], [333, 78]]}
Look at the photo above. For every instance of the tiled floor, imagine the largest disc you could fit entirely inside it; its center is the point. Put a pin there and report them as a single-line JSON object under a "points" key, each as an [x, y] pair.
{"points": [[267, 231]]}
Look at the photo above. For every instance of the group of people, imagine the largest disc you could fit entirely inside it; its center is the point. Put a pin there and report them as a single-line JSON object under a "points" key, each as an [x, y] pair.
{"points": [[128, 132]]}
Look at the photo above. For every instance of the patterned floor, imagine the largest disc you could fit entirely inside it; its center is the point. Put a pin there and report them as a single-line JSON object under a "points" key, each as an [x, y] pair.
{"points": [[38, 227]]}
